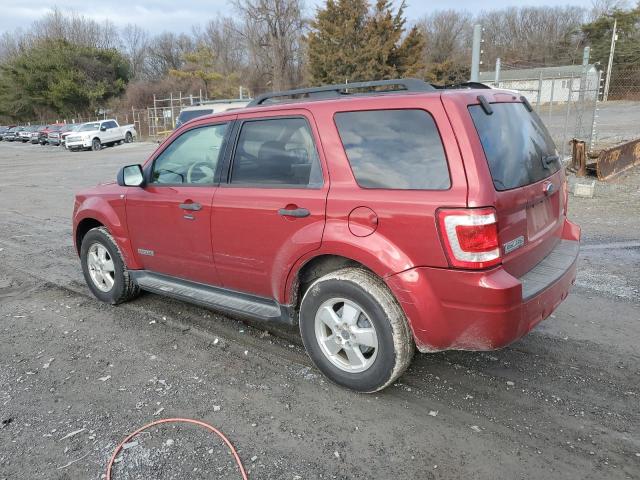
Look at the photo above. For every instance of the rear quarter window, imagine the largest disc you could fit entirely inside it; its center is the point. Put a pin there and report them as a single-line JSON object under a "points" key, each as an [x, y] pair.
{"points": [[394, 149]]}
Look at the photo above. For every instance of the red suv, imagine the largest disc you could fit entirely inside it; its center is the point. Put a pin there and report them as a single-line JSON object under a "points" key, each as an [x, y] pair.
{"points": [[379, 216]]}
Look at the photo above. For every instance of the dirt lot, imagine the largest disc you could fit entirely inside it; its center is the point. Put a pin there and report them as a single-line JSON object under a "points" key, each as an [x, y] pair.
{"points": [[76, 376]]}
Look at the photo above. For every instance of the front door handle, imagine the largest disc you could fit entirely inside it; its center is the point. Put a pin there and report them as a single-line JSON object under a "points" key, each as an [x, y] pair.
{"points": [[191, 206], [296, 212]]}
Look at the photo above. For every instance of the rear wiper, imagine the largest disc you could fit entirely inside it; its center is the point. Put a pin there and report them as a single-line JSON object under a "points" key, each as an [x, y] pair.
{"points": [[547, 160]]}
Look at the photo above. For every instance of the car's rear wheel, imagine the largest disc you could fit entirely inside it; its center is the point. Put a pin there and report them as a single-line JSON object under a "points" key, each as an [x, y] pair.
{"points": [[355, 331], [104, 269], [128, 138], [96, 145]]}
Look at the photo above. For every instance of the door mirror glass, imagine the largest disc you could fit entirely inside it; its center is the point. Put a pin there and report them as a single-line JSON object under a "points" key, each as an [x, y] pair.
{"points": [[130, 176]]}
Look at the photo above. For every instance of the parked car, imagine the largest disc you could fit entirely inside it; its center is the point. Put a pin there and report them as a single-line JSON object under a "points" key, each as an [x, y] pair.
{"points": [[94, 135], [208, 108], [24, 135], [34, 136], [11, 134], [43, 133], [376, 221], [59, 137], [4, 130]]}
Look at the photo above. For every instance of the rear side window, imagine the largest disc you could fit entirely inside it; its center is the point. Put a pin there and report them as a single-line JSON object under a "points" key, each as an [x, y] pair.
{"points": [[276, 152], [394, 149], [517, 145]]}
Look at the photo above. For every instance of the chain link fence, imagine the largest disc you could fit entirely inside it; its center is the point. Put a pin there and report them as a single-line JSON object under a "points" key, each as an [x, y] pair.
{"points": [[624, 83], [566, 98]]}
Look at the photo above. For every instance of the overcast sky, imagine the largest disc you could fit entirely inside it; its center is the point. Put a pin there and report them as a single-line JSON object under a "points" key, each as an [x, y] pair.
{"points": [[180, 15]]}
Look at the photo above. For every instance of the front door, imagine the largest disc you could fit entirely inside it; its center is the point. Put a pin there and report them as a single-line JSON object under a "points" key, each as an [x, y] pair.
{"points": [[169, 220], [271, 210]]}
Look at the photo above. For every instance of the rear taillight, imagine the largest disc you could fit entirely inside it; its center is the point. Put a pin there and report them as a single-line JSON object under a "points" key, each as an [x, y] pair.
{"points": [[470, 237]]}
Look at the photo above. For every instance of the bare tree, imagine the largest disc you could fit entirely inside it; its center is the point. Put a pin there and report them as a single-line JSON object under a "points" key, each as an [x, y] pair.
{"points": [[606, 7], [273, 31], [76, 29], [135, 44], [447, 34], [532, 36], [224, 36], [166, 52]]}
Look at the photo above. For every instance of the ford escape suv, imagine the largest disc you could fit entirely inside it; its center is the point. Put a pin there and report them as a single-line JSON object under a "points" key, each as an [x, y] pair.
{"points": [[380, 217]]}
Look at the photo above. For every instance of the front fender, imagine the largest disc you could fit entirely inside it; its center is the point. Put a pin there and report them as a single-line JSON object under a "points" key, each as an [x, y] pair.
{"points": [[109, 210]]}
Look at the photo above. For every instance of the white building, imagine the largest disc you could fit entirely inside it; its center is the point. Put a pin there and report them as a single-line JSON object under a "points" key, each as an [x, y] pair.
{"points": [[547, 84]]}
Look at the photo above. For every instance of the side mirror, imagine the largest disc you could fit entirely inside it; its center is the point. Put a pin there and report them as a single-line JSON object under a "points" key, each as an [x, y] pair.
{"points": [[103, 128], [131, 176]]}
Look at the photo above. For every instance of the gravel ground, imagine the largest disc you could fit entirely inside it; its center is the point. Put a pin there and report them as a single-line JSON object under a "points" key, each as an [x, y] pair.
{"points": [[76, 375]]}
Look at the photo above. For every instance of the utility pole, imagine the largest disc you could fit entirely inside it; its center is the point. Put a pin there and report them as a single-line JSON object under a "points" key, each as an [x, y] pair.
{"points": [[475, 53], [614, 38], [496, 80]]}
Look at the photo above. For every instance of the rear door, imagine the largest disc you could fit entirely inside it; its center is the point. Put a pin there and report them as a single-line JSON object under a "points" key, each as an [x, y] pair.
{"points": [[528, 180], [271, 210]]}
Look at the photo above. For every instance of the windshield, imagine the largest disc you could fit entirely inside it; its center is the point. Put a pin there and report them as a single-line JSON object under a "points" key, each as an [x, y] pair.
{"points": [[187, 115], [517, 145], [88, 127]]}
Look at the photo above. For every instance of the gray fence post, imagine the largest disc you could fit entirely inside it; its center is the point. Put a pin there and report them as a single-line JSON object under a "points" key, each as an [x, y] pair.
{"points": [[566, 117], [475, 53], [539, 92], [553, 85], [594, 121]]}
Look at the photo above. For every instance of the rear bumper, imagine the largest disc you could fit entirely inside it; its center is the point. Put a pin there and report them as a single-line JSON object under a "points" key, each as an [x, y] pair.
{"points": [[466, 310]]}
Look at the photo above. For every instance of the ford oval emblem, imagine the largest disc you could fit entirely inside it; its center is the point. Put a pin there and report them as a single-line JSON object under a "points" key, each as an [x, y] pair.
{"points": [[548, 188]]}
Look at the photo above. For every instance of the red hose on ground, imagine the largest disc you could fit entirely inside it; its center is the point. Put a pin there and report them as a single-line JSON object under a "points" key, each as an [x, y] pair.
{"points": [[178, 420]]}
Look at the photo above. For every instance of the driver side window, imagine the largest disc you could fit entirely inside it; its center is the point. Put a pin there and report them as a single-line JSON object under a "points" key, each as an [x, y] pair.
{"points": [[191, 158]]}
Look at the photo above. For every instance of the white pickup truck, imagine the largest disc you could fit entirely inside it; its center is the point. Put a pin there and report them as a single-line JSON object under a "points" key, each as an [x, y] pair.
{"points": [[94, 135]]}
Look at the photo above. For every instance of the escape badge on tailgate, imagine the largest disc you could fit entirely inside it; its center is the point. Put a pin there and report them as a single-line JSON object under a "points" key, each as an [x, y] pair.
{"points": [[514, 244]]}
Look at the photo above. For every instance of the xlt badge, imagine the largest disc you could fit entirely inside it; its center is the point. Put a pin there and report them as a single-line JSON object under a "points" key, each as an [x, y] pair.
{"points": [[143, 251], [513, 244]]}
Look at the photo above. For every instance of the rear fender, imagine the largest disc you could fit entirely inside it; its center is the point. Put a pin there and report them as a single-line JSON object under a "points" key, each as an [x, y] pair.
{"points": [[375, 252]]}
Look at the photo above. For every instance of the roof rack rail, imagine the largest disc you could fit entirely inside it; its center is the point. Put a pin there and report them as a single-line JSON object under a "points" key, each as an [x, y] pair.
{"points": [[334, 91]]}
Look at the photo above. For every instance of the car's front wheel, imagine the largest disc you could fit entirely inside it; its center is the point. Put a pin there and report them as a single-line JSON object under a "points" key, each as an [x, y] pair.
{"points": [[96, 145], [128, 138], [104, 269], [355, 331]]}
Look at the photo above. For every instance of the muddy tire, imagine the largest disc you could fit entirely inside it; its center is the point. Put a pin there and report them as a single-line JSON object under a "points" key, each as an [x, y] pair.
{"points": [[355, 331], [104, 269]]}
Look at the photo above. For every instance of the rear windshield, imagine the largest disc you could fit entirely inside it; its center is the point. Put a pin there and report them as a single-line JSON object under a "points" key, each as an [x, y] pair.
{"points": [[394, 149], [517, 145], [187, 115]]}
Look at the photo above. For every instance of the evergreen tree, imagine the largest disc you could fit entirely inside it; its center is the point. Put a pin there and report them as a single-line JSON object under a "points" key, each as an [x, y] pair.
{"points": [[349, 41], [597, 34], [57, 77]]}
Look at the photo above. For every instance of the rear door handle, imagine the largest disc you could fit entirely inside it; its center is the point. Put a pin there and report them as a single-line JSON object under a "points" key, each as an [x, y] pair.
{"points": [[296, 212], [191, 206]]}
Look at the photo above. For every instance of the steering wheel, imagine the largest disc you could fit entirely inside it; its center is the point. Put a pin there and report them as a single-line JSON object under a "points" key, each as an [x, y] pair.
{"points": [[204, 174]]}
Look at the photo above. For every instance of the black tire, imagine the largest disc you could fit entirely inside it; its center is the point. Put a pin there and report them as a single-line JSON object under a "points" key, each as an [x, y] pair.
{"points": [[124, 288], [96, 145], [395, 341], [128, 137]]}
